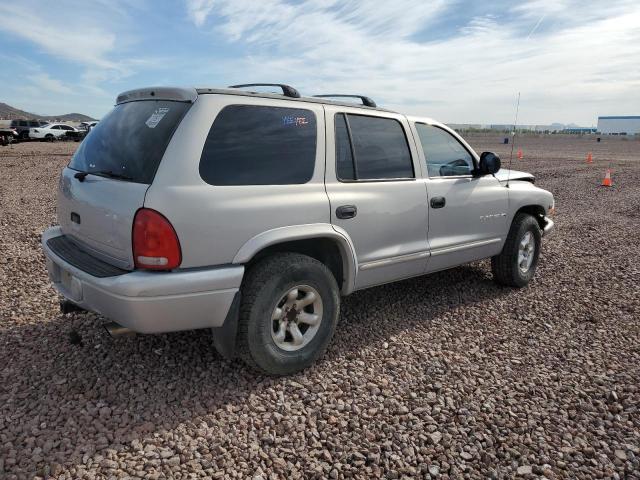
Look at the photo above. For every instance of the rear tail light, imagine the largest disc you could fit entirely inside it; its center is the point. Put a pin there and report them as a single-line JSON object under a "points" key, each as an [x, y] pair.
{"points": [[155, 242]]}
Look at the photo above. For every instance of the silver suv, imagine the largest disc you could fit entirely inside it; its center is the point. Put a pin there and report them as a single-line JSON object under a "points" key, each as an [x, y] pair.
{"points": [[252, 213]]}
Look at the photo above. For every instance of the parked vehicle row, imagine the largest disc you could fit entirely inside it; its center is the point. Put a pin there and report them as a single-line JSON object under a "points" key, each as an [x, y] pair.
{"points": [[21, 130], [252, 213]]}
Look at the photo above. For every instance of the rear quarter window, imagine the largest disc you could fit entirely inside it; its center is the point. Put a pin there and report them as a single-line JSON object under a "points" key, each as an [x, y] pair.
{"points": [[260, 145]]}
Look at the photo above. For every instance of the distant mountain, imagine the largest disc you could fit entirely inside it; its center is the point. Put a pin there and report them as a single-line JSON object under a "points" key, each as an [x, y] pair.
{"points": [[7, 112]]}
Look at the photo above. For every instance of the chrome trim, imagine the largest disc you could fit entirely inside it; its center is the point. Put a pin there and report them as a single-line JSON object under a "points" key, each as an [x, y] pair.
{"points": [[549, 226], [464, 246], [393, 260]]}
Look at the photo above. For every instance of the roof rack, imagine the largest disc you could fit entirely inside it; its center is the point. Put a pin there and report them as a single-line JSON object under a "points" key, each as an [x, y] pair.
{"points": [[366, 101], [287, 90]]}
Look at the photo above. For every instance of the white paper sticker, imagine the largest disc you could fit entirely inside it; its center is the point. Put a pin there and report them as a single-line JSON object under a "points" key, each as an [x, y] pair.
{"points": [[156, 116]]}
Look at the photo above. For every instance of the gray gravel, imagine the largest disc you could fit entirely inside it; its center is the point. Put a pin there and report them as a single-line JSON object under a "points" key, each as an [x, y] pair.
{"points": [[446, 376]]}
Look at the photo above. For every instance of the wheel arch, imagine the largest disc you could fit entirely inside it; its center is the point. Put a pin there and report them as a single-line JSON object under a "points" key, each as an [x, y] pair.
{"points": [[536, 211], [324, 242]]}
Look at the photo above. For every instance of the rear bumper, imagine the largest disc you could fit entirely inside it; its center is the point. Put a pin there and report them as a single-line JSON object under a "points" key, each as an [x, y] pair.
{"points": [[148, 302]]}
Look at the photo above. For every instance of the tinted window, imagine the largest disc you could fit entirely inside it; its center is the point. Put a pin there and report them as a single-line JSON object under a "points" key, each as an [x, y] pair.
{"points": [[23, 123], [380, 149], [444, 154], [344, 157], [256, 145], [131, 139], [14, 123], [55, 127], [34, 124], [65, 127]]}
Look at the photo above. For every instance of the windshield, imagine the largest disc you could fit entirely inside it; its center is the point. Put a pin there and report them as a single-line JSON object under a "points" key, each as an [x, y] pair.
{"points": [[130, 141]]}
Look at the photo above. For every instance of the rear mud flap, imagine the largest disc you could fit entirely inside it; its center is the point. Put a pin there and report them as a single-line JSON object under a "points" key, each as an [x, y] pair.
{"points": [[224, 337]]}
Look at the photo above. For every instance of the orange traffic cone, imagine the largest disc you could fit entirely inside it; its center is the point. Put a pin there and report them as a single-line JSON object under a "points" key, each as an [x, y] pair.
{"points": [[589, 158], [607, 179], [520, 154]]}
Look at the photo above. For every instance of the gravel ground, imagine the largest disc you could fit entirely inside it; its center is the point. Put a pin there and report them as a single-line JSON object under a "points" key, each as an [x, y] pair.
{"points": [[447, 376]]}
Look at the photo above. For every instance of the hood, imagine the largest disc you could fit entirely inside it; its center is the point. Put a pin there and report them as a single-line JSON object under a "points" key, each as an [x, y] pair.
{"points": [[504, 174]]}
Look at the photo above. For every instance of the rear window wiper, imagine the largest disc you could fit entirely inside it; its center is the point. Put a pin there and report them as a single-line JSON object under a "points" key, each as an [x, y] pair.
{"points": [[103, 173]]}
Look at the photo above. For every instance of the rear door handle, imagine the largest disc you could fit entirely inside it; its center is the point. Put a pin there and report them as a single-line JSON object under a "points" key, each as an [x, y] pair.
{"points": [[438, 202], [346, 211]]}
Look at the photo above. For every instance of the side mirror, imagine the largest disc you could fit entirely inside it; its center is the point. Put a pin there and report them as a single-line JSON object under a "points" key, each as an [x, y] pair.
{"points": [[489, 163]]}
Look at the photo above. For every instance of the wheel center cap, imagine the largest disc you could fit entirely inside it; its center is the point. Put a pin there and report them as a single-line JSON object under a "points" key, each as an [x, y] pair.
{"points": [[291, 315]]}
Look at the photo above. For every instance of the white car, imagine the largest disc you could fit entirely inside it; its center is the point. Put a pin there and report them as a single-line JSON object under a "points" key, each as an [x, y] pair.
{"points": [[51, 131]]}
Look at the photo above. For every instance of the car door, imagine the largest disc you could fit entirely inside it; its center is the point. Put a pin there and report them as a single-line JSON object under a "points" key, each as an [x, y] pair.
{"points": [[467, 213], [376, 195]]}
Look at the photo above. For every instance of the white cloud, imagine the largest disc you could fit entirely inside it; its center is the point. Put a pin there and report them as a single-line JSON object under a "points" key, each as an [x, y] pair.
{"points": [[578, 52], [76, 37], [44, 82], [199, 10]]}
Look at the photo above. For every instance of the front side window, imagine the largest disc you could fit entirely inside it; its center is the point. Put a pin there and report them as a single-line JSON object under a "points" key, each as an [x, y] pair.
{"points": [[259, 145], [371, 148], [445, 155]]}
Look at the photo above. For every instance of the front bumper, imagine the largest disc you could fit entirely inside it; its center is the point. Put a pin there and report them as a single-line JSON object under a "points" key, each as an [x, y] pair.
{"points": [[148, 302], [549, 226]]}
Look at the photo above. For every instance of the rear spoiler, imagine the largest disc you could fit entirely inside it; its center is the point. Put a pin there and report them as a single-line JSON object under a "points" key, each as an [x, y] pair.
{"points": [[158, 93]]}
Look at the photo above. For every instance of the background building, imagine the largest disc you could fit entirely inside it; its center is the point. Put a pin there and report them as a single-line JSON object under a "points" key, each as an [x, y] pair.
{"points": [[619, 125]]}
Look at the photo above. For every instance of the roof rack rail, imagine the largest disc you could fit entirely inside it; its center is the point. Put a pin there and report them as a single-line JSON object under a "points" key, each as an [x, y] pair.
{"points": [[287, 90], [366, 101]]}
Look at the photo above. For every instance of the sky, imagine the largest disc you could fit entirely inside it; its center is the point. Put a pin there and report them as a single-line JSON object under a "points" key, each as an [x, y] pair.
{"points": [[458, 61]]}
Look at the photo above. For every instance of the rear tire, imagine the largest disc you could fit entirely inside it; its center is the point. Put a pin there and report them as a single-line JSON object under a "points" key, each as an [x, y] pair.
{"points": [[289, 311], [516, 264], [49, 138]]}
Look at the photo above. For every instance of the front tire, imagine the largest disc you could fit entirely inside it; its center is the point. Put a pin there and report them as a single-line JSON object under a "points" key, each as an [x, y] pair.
{"points": [[516, 264], [289, 311]]}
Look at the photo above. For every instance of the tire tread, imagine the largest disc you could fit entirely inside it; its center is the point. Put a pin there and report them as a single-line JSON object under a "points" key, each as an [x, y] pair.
{"points": [[257, 276], [502, 266]]}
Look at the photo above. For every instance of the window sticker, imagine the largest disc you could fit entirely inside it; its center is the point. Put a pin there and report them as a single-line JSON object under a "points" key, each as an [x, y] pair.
{"points": [[293, 121], [156, 116]]}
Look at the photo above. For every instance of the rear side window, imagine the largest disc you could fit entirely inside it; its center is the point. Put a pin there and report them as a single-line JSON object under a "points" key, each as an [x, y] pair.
{"points": [[371, 148], [259, 145], [130, 141]]}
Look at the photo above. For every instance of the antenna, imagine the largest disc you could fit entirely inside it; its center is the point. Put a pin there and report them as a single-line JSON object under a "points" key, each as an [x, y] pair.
{"points": [[513, 142]]}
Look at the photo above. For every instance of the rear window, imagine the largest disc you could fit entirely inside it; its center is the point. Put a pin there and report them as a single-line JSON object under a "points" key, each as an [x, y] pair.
{"points": [[130, 141], [258, 145]]}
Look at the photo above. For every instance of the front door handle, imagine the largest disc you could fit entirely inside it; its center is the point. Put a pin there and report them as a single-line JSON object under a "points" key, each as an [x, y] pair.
{"points": [[346, 211], [438, 202]]}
